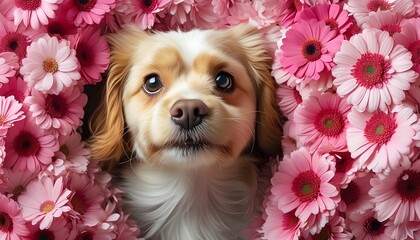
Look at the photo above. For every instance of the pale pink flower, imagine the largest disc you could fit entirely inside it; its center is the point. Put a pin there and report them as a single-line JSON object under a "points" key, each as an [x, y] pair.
{"points": [[385, 21], [381, 141], [288, 141], [145, 12], [397, 195], [322, 121], [59, 229], [2, 156], [8, 66], [15, 182], [43, 201], [86, 199], [372, 71], [355, 195], [34, 13], [127, 228], [279, 225], [302, 184], [290, 11], [288, 99], [16, 88], [345, 166], [406, 230], [74, 153], [92, 52], [50, 65], [120, 15], [62, 112], [361, 9], [12, 225], [410, 39], [309, 48], [247, 12], [88, 12], [10, 112], [179, 11], [202, 16], [221, 7], [366, 226], [334, 229], [332, 14], [28, 147]]}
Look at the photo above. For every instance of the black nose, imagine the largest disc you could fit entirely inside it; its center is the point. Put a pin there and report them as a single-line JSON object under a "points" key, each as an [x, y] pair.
{"points": [[188, 113]]}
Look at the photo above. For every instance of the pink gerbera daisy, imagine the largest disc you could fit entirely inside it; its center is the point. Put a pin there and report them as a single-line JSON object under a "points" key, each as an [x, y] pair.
{"points": [[397, 195], [309, 48], [279, 225], [12, 225], [10, 112], [410, 39], [179, 11], [35, 12], [290, 11], [92, 51], [203, 16], [367, 226], [345, 165], [322, 121], [354, 195], [8, 66], [15, 182], [74, 153], [385, 21], [43, 201], [62, 112], [50, 65], [381, 141], [59, 229], [361, 9], [145, 12], [302, 184], [288, 99], [334, 229], [332, 14], [372, 71], [84, 12], [406, 230], [16, 88], [28, 147]]}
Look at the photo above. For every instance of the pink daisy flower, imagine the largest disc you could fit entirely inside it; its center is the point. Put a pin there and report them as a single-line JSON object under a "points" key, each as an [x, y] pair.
{"points": [[397, 195], [10, 112], [179, 11], [126, 228], [361, 9], [290, 11], [381, 141], [410, 39], [202, 16], [92, 51], [60, 26], [59, 229], [62, 112], [354, 196], [309, 48], [406, 230], [288, 99], [280, 74], [15, 182], [16, 88], [43, 201], [12, 225], [118, 16], [372, 71], [367, 226], [322, 121], [50, 65], [332, 14], [302, 184], [345, 166], [279, 225], [29, 148], [8, 66], [145, 12], [93, 233], [34, 12], [88, 12], [385, 21], [74, 153], [86, 199], [334, 229]]}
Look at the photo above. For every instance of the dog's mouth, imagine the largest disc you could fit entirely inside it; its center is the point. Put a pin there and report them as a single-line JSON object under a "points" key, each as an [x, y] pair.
{"points": [[190, 146]]}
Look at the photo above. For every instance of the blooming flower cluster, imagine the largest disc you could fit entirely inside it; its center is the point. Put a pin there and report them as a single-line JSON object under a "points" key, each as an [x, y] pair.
{"points": [[348, 86]]}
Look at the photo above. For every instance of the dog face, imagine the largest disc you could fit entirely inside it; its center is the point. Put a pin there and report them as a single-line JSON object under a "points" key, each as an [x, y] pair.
{"points": [[187, 98]]}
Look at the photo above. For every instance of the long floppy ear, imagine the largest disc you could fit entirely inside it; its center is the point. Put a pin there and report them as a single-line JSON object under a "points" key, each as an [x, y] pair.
{"points": [[259, 63], [107, 126]]}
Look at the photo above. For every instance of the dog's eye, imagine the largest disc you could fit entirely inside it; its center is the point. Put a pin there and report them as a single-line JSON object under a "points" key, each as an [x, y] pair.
{"points": [[152, 84], [224, 81]]}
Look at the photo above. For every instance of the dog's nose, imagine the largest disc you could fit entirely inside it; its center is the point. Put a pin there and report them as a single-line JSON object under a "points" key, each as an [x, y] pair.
{"points": [[188, 113]]}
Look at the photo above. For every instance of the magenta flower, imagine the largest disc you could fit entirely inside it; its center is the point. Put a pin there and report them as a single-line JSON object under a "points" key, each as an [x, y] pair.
{"points": [[367, 226], [50, 65], [43, 201], [59, 229], [145, 12], [34, 13], [12, 225], [309, 49], [88, 12]]}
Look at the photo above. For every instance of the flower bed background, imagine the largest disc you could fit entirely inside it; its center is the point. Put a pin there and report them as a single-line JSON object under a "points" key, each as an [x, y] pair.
{"points": [[348, 85]]}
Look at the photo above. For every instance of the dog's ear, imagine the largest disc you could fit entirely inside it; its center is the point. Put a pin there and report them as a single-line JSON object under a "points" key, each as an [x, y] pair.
{"points": [[107, 125], [259, 63]]}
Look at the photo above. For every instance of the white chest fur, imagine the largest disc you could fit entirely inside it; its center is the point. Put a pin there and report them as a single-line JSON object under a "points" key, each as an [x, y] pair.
{"points": [[208, 204]]}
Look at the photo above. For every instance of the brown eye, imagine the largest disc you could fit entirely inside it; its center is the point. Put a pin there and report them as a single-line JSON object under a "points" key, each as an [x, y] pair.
{"points": [[152, 84], [224, 81]]}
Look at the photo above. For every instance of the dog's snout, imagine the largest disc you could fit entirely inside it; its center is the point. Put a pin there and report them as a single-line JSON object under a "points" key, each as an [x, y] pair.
{"points": [[188, 113]]}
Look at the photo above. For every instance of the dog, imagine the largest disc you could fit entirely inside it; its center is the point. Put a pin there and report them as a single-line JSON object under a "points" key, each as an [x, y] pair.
{"points": [[195, 113]]}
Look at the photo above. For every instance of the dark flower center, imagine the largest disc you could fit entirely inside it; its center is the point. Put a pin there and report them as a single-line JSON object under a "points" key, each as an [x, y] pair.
{"points": [[148, 5], [325, 234], [380, 128], [378, 5], [84, 55], [343, 161], [408, 185], [44, 235], [391, 29], [329, 122], [6, 223], [26, 144], [351, 194], [85, 5], [78, 203], [306, 186], [290, 221], [311, 49], [28, 4], [55, 106], [415, 51], [85, 235], [14, 42], [332, 23], [374, 227]]}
